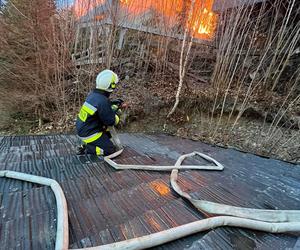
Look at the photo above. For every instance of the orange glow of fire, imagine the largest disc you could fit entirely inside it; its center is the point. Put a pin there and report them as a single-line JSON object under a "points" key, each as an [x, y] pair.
{"points": [[152, 222], [82, 7], [125, 1], [160, 188], [201, 23]]}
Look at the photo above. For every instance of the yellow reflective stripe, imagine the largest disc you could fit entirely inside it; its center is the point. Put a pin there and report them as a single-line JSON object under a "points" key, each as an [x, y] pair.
{"points": [[82, 115], [88, 110], [99, 151], [117, 120], [92, 138]]}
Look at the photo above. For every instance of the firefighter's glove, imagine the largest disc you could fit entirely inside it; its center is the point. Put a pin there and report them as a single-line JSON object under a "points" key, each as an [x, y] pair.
{"points": [[116, 106], [117, 102], [116, 110]]}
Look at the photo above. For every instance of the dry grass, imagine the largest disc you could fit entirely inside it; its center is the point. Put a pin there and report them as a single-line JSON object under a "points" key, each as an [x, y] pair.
{"points": [[253, 54]]}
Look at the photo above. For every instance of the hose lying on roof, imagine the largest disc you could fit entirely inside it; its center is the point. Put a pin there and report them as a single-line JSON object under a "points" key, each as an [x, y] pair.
{"points": [[206, 206], [248, 213], [221, 209], [273, 221], [176, 233], [217, 166], [62, 228]]}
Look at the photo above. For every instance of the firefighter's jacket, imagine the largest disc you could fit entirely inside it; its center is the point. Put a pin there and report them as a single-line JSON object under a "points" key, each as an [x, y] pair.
{"points": [[95, 116]]}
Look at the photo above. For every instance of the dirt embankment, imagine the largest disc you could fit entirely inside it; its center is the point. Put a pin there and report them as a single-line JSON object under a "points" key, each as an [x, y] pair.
{"points": [[150, 102], [259, 130]]}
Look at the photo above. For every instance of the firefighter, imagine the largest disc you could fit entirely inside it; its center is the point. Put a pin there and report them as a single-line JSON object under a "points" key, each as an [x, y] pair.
{"points": [[96, 115]]}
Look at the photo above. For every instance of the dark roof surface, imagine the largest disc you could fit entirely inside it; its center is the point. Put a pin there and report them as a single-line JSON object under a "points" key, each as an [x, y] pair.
{"points": [[106, 205]]}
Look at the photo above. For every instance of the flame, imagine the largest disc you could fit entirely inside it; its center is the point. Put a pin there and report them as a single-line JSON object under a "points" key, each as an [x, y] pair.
{"points": [[201, 23]]}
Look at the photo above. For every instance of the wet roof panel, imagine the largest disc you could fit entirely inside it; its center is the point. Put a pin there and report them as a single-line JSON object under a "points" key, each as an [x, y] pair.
{"points": [[107, 206]]}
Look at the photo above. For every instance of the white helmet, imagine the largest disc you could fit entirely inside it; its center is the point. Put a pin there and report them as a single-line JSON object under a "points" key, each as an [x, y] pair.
{"points": [[106, 80]]}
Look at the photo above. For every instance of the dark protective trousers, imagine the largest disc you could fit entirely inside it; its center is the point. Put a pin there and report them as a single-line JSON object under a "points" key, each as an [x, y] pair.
{"points": [[102, 146]]}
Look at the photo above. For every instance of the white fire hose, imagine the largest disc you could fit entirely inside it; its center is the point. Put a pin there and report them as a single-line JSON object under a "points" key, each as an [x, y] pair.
{"points": [[273, 221], [62, 226]]}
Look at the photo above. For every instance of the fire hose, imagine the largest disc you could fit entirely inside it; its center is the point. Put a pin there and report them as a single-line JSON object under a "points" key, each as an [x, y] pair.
{"points": [[273, 221], [62, 226]]}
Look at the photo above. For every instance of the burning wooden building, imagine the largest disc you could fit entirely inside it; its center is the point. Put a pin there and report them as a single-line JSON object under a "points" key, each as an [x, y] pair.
{"points": [[163, 18]]}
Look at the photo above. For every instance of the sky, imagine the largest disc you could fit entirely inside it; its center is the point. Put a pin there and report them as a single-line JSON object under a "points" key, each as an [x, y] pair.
{"points": [[60, 3], [63, 3]]}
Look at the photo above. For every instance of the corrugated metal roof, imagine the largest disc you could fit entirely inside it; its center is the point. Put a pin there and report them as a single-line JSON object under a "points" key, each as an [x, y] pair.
{"points": [[106, 205]]}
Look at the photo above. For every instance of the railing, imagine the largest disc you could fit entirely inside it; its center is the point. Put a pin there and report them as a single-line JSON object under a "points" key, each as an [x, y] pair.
{"points": [[89, 56]]}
